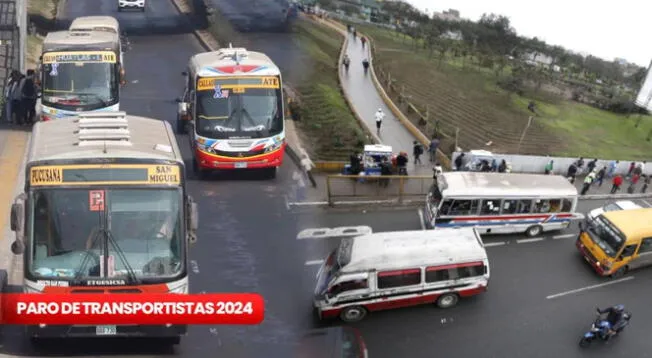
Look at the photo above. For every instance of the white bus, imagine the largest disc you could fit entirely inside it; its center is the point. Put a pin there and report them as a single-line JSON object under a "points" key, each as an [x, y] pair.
{"points": [[377, 271], [498, 203], [99, 23]]}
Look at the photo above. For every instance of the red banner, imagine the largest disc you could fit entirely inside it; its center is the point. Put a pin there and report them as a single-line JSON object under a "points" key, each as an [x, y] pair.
{"points": [[145, 309]]}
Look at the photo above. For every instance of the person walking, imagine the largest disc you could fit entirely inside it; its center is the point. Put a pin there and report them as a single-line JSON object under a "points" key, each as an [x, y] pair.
{"points": [[401, 163], [17, 99], [28, 101], [600, 176], [417, 150], [571, 173], [9, 90], [549, 167], [587, 182], [363, 40], [616, 183], [380, 115], [432, 149], [612, 168], [365, 65]]}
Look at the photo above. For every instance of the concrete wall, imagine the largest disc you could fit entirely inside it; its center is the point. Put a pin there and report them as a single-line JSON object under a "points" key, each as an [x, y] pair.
{"points": [[536, 164]]}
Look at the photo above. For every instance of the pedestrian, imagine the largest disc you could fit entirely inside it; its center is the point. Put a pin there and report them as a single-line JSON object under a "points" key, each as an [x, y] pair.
{"points": [[580, 165], [600, 176], [363, 40], [380, 115], [642, 165], [645, 184], [632, 185], [16, 99], [494, 165], [9, 89], [637, 172], [549, 167], [632, 165], [592, 164], [612, 167], [571, 173], [616, 183], [587, 183], [365, 65], [385, 170], [417, 150], [432, 149], [29, 96], [401, 163], [459, 161], [502, 168]]}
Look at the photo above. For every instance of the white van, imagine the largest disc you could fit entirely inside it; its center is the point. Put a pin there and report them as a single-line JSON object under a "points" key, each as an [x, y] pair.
{"points": [[378, 271]]}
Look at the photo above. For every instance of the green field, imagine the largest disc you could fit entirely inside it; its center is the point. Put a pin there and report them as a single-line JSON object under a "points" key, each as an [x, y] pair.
{"points": [[459, 94]]}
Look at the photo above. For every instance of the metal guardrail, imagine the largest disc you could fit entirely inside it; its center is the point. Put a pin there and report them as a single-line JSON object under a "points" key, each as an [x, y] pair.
{"points": [[386, 187]]}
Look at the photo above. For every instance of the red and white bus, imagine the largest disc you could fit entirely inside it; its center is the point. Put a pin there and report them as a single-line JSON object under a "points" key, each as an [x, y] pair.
{"points": [[233, 108], [377, 271], [105, 211]]}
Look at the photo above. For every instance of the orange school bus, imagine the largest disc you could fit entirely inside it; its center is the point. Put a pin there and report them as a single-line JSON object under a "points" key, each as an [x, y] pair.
{"points": [[617, 241], [105, 210]]}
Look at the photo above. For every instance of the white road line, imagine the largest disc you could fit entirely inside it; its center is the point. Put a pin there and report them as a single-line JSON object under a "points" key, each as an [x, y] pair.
{"points": [[307, 203], [646, 203], [565, 236], [492, 244], [314, 262], [525, 241], [287, 203], [590, 287], [420, 213]]}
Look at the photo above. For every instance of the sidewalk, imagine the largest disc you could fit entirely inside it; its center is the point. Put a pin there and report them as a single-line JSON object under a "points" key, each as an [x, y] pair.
{"points": [[366, 101]]}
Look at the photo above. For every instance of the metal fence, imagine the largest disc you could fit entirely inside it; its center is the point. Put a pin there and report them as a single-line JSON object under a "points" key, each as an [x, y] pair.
{"points": [[399, 187]]}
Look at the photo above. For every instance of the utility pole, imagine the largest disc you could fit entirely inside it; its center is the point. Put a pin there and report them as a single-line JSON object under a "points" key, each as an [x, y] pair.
{"points": [[21, 23]]}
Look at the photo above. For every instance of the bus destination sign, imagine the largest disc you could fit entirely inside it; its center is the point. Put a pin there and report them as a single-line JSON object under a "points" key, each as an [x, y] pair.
{"points": [[79, 56], [108, 174], [265, 82]]}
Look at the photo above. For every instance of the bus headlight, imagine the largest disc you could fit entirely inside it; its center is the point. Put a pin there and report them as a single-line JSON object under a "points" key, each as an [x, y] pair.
{"points": [[273, 147]]}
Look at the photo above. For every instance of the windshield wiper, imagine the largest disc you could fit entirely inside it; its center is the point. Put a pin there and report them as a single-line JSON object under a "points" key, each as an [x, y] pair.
{"points": [[86, 259], [97, 97], [133, 278]]}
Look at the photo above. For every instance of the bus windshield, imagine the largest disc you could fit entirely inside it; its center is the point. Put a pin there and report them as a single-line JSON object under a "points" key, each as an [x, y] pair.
{"points": [[80, 85], [224, 112], [70, 226], [607, 236]]}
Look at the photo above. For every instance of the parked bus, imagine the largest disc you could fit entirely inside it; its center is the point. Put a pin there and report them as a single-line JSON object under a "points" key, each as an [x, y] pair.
{"points": [[617, 241], [377, 271], [99, 23], [233, 107], [80, 72], [498, 203], [104, 210]]}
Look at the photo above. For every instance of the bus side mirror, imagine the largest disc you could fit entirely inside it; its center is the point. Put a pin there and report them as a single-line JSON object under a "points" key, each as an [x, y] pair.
{"points": [[16, 223], [193, 220]]}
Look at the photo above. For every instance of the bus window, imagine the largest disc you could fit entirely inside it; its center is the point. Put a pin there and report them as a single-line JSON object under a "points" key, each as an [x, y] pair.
{"points": [[391, 279], [542, 206], [445, 206], [490, 207], [628, 251], [555, 205], [348, 286], [566, 205], [436, 274], [646, 246], [471, 270], [524, 206], [464, 207]]}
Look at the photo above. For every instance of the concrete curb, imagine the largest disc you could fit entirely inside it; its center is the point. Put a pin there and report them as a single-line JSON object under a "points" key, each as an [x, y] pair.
{"points": [[292, 153], [416, 133]]}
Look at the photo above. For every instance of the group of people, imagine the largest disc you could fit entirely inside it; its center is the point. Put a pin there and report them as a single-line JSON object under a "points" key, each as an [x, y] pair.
{"points": [[20, 97], [597, 176], [482, 165], [346, 61]]}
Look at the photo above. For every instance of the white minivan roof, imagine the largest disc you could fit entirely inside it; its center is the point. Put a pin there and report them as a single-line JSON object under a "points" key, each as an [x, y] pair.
{"points": [[403, 249]]}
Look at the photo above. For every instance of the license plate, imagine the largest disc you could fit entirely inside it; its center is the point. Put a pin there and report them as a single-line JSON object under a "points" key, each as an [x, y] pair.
{"points": [[106, 330], [240, 165]]}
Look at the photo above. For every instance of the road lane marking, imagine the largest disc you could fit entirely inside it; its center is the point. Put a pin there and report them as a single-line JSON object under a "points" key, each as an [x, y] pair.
{"points": [[561, 294], [307, 203], [420, 213], [492, 244], [646, 203], [565, 236], [287, 203], [314, 262], [525, 241]]}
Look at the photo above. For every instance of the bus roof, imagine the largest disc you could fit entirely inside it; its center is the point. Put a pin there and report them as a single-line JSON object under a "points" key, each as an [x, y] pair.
{"points": [[89, 134], [400, 249], [99, 23], [81, 40], [223, 63], [634, 224], [502, 185]]}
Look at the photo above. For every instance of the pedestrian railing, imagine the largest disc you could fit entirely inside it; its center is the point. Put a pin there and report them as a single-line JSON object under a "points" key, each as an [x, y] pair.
{"points": [[370, 188]]}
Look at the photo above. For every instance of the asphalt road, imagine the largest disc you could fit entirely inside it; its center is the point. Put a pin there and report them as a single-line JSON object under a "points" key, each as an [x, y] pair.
{"points": [[246, 236], [516, 318]]}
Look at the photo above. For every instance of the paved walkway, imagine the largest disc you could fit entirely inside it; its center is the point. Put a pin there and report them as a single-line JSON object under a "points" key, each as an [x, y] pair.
{"points": [[366, 101]]}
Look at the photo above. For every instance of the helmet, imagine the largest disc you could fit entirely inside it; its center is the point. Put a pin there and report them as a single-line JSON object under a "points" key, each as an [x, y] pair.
{"points": [[619, 308]]}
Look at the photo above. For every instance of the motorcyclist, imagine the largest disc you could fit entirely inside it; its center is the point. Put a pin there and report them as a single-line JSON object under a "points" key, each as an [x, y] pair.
{"points": [[615, 317]]}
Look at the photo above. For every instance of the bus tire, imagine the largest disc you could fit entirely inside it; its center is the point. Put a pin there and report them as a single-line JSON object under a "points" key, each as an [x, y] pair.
{"points": [[448, 300], [353, 314], [533, 231], [620, 272]]}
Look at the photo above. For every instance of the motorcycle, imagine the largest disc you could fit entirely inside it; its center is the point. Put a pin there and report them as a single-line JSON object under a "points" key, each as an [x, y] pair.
{"points": [[600, 329]]}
